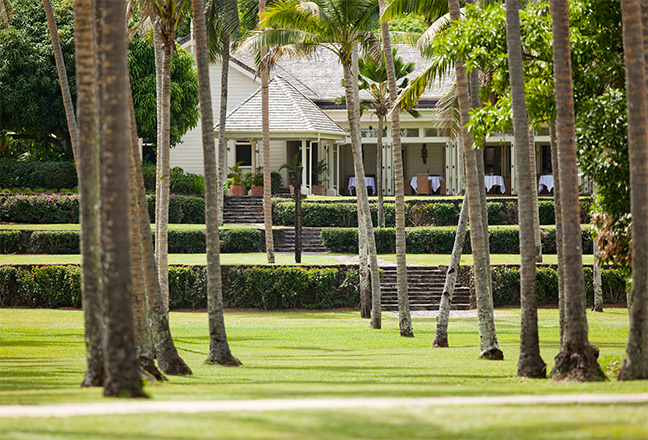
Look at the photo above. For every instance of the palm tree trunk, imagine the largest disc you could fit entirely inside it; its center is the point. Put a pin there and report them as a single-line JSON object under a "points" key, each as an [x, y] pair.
{"points": [[489, 348], [366, 302], [441, 333], [63, 79], [222, 141], [379, 173], [353, 114], [219, 350], [89, 189], [530, 363], [534, 188], [404, 318], [163, 171], [122, 371], [559, 232], [635, 365], [577, 359]]}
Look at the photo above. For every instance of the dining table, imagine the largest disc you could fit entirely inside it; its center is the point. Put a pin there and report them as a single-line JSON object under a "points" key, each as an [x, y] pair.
{"points": [[435, 182], [547, 181], [370, 181], [493, 180]]}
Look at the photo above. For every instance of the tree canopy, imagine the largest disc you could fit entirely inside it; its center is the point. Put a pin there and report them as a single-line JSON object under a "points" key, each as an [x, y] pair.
{"points": [[32, 117]]}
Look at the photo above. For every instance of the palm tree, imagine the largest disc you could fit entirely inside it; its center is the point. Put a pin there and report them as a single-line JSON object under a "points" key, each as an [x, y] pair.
{"points": [[299, 28], [372, 77], [167, 17], [559, 228], [404, 318], [5, 13], [577, 359], [122, 370], [63, 79], [89, 188], [219, 351], [265, 128], [223, 27], [478, 230], [635, 365], [530, 363]]}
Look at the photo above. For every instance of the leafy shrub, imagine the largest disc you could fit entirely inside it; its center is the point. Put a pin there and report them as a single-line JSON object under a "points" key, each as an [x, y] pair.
{"points": [[506, 285], [546, 212], [11, 242], [241, 240], [495, 213], [34, 174], [40, 208], [54, 242], [443, 214], [276, 182], [44, 286], [182, 209]]}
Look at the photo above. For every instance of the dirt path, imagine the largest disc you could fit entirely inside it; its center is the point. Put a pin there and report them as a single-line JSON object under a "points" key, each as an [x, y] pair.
{"points": [[114, 407]]}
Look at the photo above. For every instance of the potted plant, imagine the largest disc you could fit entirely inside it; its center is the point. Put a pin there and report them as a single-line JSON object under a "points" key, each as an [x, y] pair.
{"points": [[255, 182], [293, 165], [236, 180], [321, 176]]}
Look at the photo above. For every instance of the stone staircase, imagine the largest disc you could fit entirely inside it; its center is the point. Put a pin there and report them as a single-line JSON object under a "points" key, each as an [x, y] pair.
{"points": [[425, 286], [311, 240], [243, 209]]}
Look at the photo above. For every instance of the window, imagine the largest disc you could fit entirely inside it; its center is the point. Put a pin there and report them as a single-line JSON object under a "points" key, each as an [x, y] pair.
{"points": [[431, 132], [244, 154], [409, 132]]}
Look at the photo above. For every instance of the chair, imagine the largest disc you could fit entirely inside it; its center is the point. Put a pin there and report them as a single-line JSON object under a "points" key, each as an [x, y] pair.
{"points": [[370, 190], [424, 188], [346, 186], [408, 191], [442, 188], [507, 182]]}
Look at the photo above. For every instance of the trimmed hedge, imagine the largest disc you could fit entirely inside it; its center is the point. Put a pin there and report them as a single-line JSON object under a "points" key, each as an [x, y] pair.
{"points": [[180, 242], [506, 285], [440, 241], [418, 213], [243, 287], [34, 174], [64, 208]]}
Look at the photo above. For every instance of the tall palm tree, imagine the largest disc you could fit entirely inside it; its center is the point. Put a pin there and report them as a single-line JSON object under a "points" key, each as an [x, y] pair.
{"points": [[559, 227], [299, 28], [219, 350], [122, 370], [62, 74], [223, 28], [5, 13], [577, 359], [89, 188], [635, 365], [372, 77], [530, 363], [265, 128], [478, 233], [404, 318], [167, 18]]}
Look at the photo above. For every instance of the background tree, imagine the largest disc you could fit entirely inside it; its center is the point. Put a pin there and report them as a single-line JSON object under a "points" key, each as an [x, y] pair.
{"points": [[340, 26]]}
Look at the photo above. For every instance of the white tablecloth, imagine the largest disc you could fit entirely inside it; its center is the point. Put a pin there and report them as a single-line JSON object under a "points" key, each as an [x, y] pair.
{"points": [[546, 181], [370, 182], [435, 182], [491, 181]]}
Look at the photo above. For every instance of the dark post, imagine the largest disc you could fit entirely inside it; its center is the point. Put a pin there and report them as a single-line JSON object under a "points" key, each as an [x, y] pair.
{"points": [[295, 179]]}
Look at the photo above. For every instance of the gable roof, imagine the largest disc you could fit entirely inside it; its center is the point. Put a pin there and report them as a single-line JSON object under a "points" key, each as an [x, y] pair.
{"points": [[291, 115], [319, 77]]}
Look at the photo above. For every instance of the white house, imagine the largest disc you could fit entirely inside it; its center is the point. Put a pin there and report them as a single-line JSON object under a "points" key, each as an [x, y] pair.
{"points": [[305, 117]]}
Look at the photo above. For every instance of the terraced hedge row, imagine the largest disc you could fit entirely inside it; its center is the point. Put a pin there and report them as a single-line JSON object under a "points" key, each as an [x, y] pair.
{"points": [[243, 287], [64, 208]]}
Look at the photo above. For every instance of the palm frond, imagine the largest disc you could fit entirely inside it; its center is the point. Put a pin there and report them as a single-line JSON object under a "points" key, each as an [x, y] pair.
{"points": [[436, 71], [437, 29], [428, 9], [449, 115]]}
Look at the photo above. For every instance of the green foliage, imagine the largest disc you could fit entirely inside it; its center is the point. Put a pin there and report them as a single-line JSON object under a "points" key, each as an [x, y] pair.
{"points": [[443, 214], [244, 287], [546, 212], [277, 181], [31, 104], [11, 242], [184, 91], [236, 175], [506, 285], [46, 286], [182, 209], [42, 208], [54, 242], [33, 174]]}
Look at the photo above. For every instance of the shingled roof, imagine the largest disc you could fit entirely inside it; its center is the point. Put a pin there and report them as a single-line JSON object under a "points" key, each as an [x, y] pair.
{"points": [[291, 115]]}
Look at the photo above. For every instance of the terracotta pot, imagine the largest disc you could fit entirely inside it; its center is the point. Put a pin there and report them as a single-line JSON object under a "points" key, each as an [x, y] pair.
{"points": [[237, 190], [256, 191], [318, 190]]}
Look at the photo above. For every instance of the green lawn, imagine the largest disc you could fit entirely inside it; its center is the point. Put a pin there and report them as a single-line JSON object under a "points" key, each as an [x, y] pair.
{"points": [[320, 355]]}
